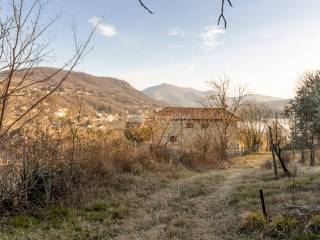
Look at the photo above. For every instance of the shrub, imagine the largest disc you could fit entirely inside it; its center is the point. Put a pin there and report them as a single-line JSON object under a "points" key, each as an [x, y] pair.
{"points": [[253, 221], [40, 168], [284, 224], [138, 134]]}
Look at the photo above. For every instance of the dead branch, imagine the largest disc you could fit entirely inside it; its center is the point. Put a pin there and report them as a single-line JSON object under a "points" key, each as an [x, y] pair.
{"points": [[22, 49], [145, 7], [222, 17]]}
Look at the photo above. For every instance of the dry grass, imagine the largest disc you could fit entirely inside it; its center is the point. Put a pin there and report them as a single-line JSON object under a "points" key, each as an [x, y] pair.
{"points": [[251, 161], [214, 204], [160, 205]]}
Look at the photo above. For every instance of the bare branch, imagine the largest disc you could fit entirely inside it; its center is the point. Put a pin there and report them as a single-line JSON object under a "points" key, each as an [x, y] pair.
{"points": [[222, 17], [145, 7], [22, 49]]}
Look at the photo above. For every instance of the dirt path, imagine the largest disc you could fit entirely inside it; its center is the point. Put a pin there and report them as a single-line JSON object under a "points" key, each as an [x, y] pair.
{"points": [[196, 207]]}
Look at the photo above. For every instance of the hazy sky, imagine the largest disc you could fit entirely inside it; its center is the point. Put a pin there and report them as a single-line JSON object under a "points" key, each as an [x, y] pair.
{"points": [[267, 45]]}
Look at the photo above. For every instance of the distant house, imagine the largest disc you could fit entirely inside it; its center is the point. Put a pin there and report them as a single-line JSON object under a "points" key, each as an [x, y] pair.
{"points": [[187, 128]]}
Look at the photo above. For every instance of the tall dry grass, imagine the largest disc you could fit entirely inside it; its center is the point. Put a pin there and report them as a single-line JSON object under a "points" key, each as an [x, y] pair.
{"points": [[41, 167]]}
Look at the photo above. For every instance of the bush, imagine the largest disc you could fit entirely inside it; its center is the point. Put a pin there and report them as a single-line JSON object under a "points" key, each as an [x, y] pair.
{"points": [[284, 224], [138, 133], [41, 168], [253, 221], [63, 166]]}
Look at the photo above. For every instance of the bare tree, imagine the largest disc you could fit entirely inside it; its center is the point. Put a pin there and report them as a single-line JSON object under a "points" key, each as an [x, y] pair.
{"points": [[253, 126], [74, 129], [228, 100], [160, 129], [278, 139], [22, 49], [203, 138]]}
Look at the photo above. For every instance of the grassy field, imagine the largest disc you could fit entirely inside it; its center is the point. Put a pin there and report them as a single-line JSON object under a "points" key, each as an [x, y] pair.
{"points": [[215, 204]]}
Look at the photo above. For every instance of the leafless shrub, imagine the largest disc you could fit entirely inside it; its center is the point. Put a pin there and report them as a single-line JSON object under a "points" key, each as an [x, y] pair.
{"points": [[253, 126], [42, 167]]}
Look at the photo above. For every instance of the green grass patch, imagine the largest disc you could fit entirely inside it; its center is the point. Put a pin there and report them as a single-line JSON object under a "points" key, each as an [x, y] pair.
{"points": [[101, 211], [97, 206], [24, 221], [57, 216]]}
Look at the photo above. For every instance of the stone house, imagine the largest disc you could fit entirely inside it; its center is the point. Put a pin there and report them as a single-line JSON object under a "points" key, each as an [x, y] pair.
{"points": [[194, 129]]}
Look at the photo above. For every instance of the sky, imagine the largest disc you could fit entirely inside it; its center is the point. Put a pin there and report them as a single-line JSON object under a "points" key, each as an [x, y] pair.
{"points": [[267, 45]]}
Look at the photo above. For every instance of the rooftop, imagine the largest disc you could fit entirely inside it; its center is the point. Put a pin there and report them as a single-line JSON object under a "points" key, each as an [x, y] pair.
{"points": [[191, 113]]}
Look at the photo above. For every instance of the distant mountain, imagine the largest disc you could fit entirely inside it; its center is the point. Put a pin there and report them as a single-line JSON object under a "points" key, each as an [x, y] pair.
{"points": [[278, 105], [188, 97], [174, 95], [262, 98], [100, 94]]}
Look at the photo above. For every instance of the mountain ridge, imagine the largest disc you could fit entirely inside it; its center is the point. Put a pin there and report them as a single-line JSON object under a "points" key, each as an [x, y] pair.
{"points": [[189, 97], [104, 94]]}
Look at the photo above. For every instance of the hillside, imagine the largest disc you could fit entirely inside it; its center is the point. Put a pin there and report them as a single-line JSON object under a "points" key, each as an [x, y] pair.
{"points": [[278, 105], [175, 95], [188, 97], [100, 94]]}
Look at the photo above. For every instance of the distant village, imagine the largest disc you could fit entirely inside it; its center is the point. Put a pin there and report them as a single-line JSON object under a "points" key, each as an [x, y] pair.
{"points": [[101, 119]]}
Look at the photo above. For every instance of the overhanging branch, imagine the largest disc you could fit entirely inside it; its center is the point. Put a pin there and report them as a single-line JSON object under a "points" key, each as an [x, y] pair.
{"points": [[145, 7], [222, 17]]}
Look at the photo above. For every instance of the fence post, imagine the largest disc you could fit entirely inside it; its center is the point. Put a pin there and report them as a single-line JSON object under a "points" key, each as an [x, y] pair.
{"points": [[263, 205], [273, 154]]}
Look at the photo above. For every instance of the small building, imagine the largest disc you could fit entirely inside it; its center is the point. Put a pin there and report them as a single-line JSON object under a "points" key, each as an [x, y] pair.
{"points": [[193, 128]]}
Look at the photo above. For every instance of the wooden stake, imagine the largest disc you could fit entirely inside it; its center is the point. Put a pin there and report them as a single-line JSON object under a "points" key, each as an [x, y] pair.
{"points": [[275, 170], [263, 205]]}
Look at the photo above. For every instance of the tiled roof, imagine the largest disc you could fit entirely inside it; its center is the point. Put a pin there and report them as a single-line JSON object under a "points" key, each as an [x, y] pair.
{"points": [[191, 113]]}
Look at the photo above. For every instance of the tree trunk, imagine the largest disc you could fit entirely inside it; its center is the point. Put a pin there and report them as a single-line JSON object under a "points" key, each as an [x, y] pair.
{"points": [[312, 160], [223, 148], [222, 145], [303, 159]]}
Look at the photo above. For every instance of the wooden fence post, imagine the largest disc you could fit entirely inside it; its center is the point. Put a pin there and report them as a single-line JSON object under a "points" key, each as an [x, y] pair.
{"points": [[275, 170], [278, 153], [263, 205]]}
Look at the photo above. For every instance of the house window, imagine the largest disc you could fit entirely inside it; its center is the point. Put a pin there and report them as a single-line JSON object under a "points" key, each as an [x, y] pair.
{"points": [[173, 139], [189, 125], [204, 125]]}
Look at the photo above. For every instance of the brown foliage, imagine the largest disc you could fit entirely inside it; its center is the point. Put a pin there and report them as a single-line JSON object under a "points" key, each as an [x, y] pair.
{"points": [[40, 168]]}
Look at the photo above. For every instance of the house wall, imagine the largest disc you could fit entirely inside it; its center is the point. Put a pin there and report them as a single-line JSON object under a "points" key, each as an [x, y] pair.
{"points": [[179, 134]]}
